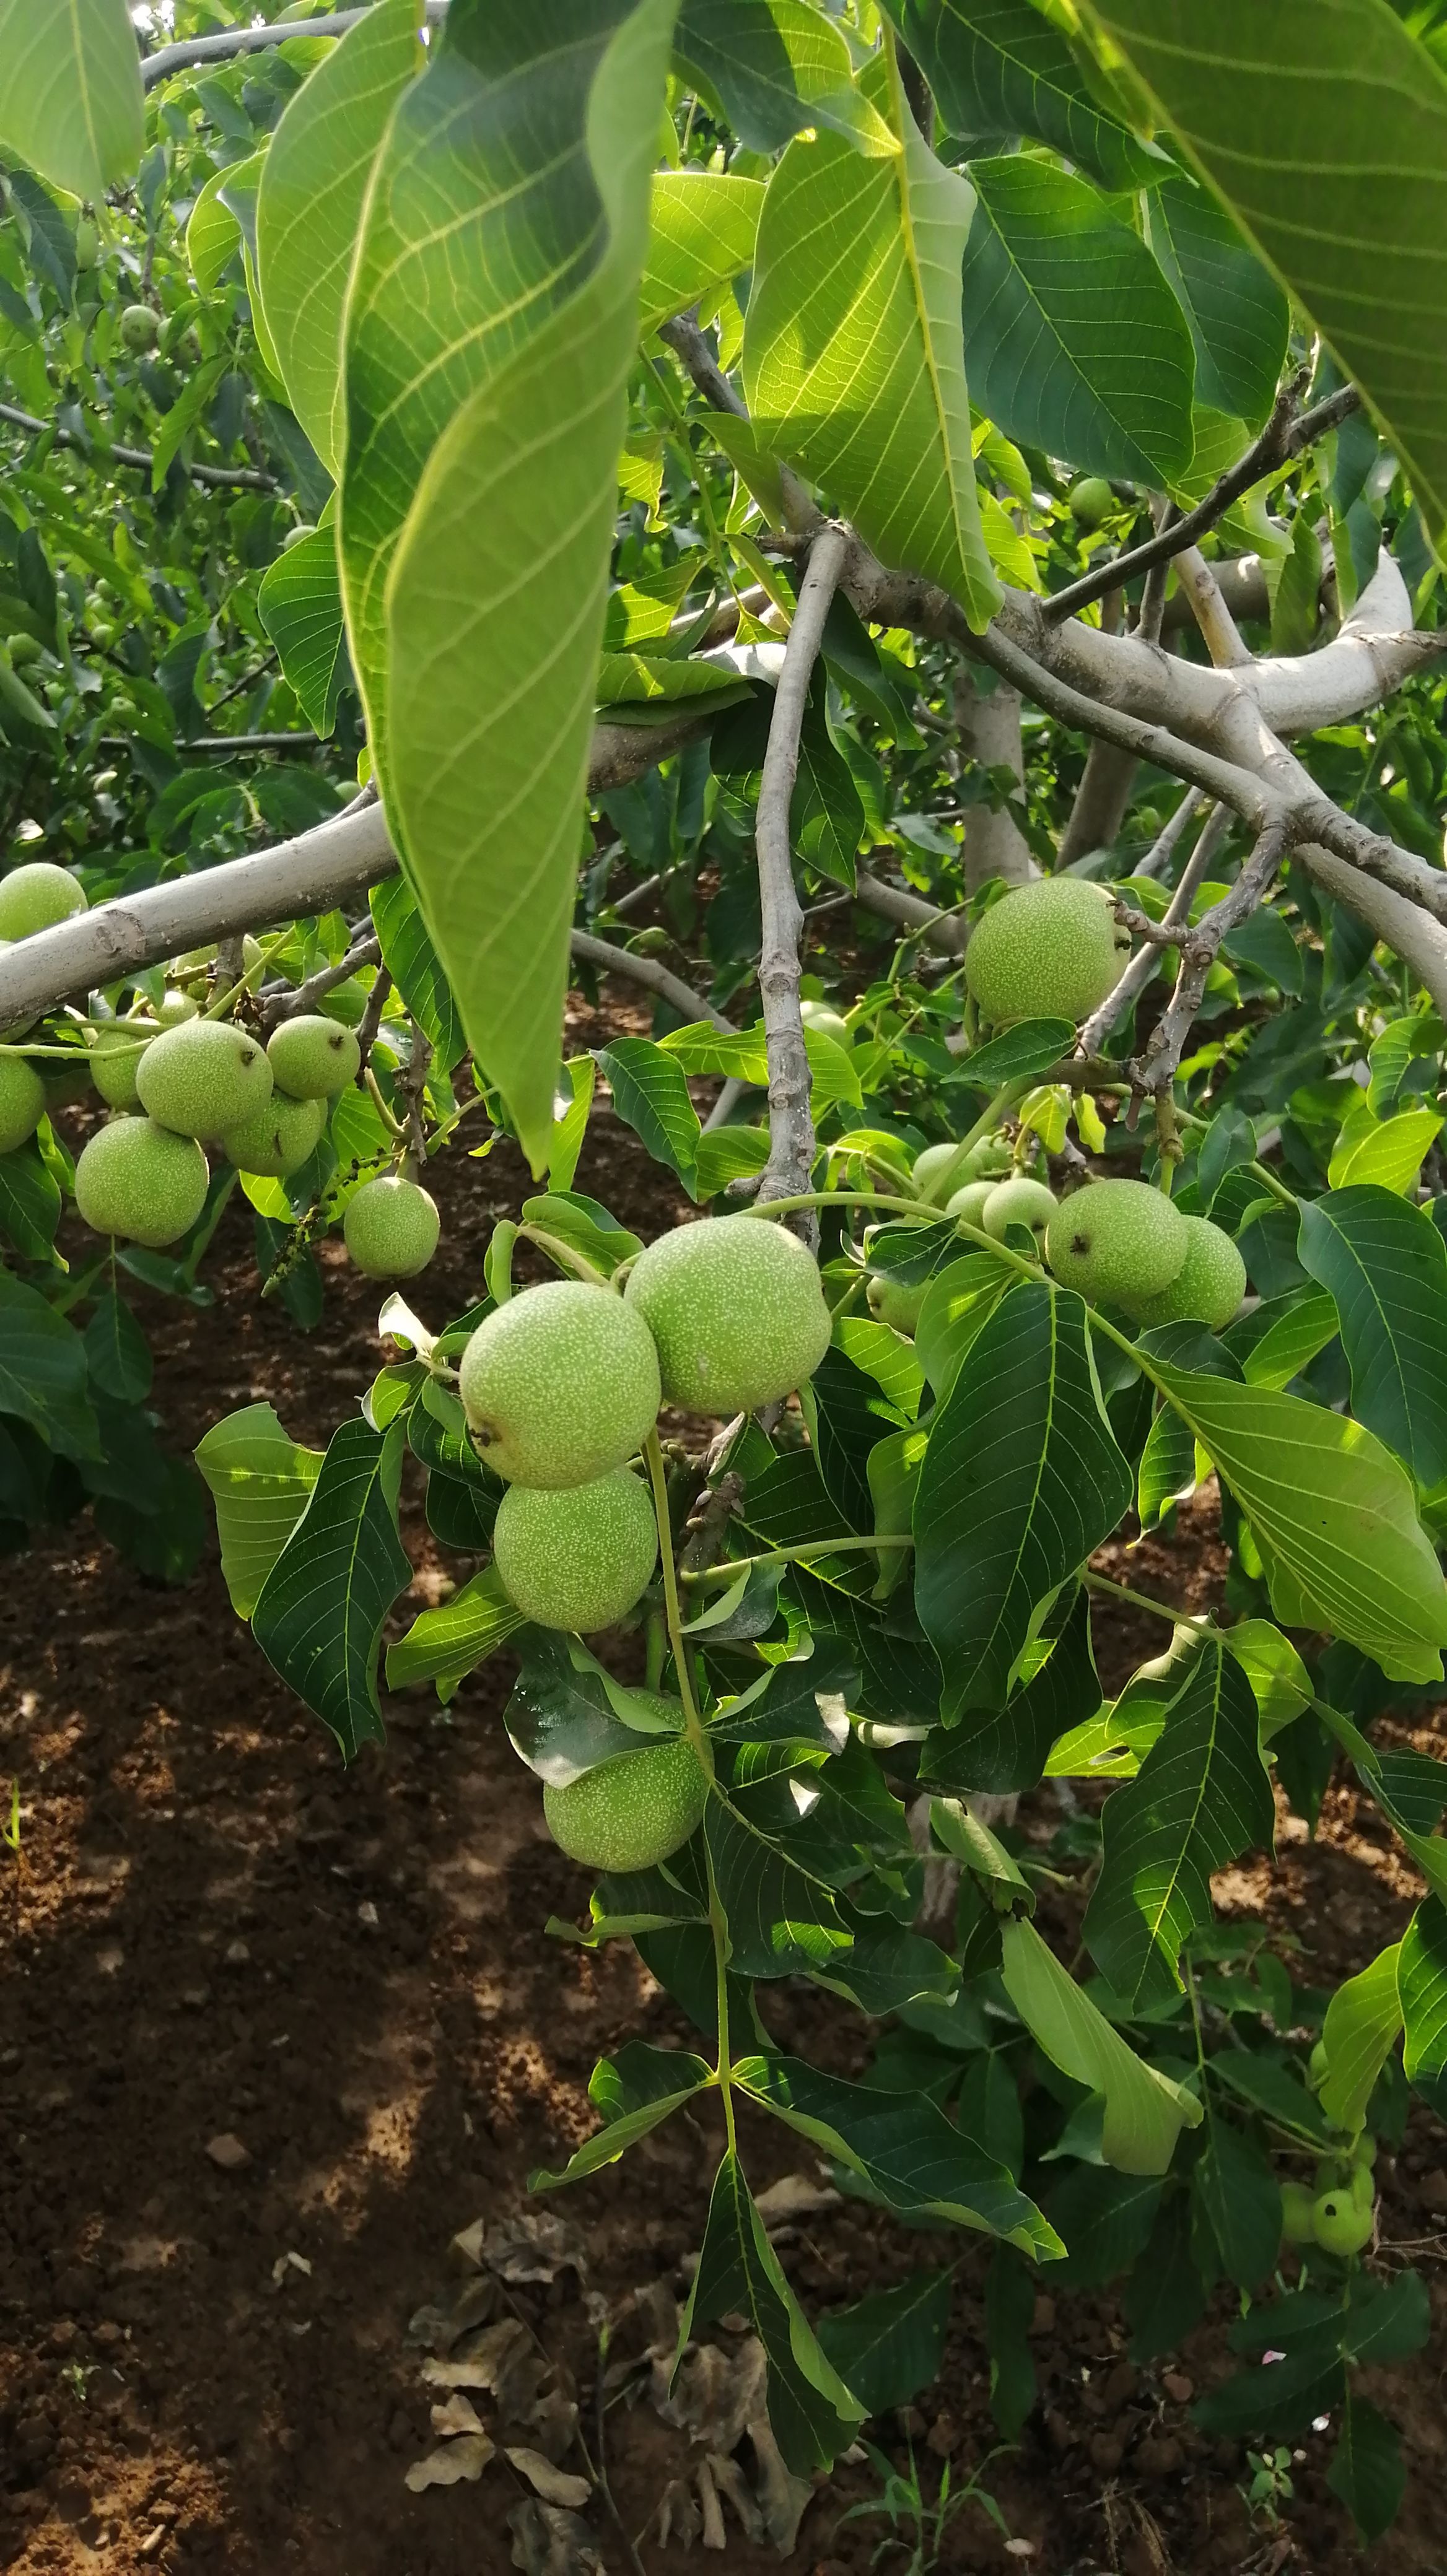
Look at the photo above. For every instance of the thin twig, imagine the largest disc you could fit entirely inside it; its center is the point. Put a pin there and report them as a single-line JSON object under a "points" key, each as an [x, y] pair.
{"points": [[683, 336], [223, 476], [289, 1004], [371, 1022], [791, 1128], [1284, 437], [1156, 1070], [654, 977], [1142, 967]]}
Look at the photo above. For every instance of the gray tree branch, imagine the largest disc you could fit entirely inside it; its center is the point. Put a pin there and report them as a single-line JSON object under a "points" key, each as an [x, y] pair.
{"points": [[791, 1128], [1142, 966], [245, 477]]}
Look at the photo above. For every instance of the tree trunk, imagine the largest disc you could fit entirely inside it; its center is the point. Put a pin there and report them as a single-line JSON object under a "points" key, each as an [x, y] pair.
{"points": [[989, 730]]}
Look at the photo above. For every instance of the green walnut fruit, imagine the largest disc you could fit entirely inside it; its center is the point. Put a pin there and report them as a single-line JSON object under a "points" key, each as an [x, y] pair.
{"points": [[1118, 1241], [1362, 2186], [391, 1226], [1051, 950], [891, 1302], [631, 1812], [737, 1310], [22, 1101], [577, 1558], [1024, 1202], [87, 245], [560, 1385], [297, 536], [826, 1023], [24, 650], [969, 1203], [204, 1078], [36, 897], [1341, 2225], [932, 1163], [1208, 1287], [313, 1058], [1364, 2150], [115, 1053], [175, 1006], [1298, 2214], [1090, 501], [140, 329], [141, 1181], [278, 1137]]}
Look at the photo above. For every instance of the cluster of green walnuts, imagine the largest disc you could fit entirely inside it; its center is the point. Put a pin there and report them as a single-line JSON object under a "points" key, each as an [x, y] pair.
{"points": [[1338, 2210], [181, 1079], [1054, 949], [562, 1387]]}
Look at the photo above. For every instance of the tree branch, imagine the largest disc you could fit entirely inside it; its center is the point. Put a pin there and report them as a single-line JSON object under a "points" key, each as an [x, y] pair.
{"points": [[683, 336], [1141, 968], [1401, 925], [249, 40], [1284, 436], [291, 1004], [246, 477], [791, 1129], [944, 930], [653, 977], [989, 731], [1155, 1072], [1219, 631]]}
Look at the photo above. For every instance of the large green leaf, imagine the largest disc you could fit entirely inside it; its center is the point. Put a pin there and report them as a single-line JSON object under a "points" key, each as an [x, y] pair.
{"points": [[1005, 1751], [853, 350], [525, 251], [1144, 2112], [444, 1645], [1422, 1993], [1363, 2021], [701, 233], [1239, 319], [890, 2345], [1385, 1266], [309, 211], [650, 1092], [318, 1619], [415, 968], [1323, 127], [775, 66], [1074, 340], [814, 2416], [998, 68], [1333, 1509], [43, 1370], [1021, 1480], [261, 1482], [635, 2091], [1200, 1798], [300, 602], [782, 1920], [920, 2164], [71, 103]]}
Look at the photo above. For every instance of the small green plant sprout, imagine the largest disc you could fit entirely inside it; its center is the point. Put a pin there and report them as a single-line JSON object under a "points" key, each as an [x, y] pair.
{"points": [[1271, 2485], [10, 1829], [919, 2525]]}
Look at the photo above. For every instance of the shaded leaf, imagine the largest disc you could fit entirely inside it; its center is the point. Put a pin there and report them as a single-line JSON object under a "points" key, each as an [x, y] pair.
{"points": [[445, 1644], [1144, 2112], [813, 2414], [999, 67], [776, 66], [318, 1618], [889, 2346], [1385, 1266]]}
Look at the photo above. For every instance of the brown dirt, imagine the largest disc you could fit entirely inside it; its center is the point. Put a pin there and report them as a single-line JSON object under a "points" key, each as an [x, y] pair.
{"points": [[213, 1931]]}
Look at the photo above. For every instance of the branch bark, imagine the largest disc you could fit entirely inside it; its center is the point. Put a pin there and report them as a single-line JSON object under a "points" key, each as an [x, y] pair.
{"points": [[245, 477], [1100, 803], [791, 1128], [1155, 1071], [989, 731], [654, 979], [945, 931], [1142, 966]]}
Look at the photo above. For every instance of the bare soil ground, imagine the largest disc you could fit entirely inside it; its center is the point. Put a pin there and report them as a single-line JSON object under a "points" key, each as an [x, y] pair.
{"points": [[213, 1933]]}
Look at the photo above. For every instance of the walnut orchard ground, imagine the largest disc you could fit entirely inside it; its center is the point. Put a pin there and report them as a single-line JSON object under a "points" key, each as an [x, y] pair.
{"points": [[392, 2084]]}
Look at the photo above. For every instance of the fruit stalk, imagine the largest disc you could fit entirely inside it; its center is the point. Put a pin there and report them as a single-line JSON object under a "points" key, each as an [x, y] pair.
{"points": [[694, 1727]]}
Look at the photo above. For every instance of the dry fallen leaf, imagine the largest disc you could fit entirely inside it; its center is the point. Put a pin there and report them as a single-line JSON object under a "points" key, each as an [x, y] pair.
{"points": [[550, 2541], [553, 2484], [459, 2415], [730, 2481], [533, 2246], [466, 2458], [678, 2517], [795, 2195], [782, 2496], [436, 2326], [483, 2360]]}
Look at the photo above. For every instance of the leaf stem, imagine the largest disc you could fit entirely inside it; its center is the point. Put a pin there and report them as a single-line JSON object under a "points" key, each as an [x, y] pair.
{"points": [[1142, 1601], [736, 1565], [693, 1725]]}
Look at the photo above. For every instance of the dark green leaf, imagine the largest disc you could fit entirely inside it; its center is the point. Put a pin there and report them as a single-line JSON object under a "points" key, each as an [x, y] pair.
{"points": [[886, 2348], [1385, 1266], [30, 1202], [848, 1417], [1422, 1987], [782, 1920], [117, 1352], [775, 66], [1073, 338], [1165, 2295], [1238, 2199], [445, 1644], [319, 1617], [1026, 1048], [300, 604], [1009, 2315], [1007, 1752], [416, 969], [998, 68], [813, 2415], [1202, 1796], [43, 1371], [1367, 2469], [917, 2161], [560, 1717], [826, 812], [1021, 1481], [650, 1094], [1105, 2218], [1239, 319], [635, 2092]]}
